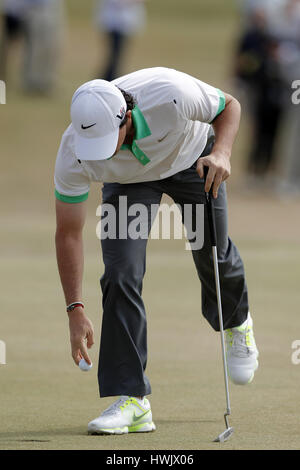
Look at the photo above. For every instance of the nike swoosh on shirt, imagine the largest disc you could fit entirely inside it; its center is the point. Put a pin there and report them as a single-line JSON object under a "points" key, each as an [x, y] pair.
{"points": [[163, 138], [87, 127]]}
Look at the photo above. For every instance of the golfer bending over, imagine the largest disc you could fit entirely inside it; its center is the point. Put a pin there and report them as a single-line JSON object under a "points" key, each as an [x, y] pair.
{"points": [[147, 133]]}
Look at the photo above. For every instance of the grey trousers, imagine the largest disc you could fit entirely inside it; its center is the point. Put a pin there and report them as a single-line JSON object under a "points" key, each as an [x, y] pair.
{"points": [[123, 348]]}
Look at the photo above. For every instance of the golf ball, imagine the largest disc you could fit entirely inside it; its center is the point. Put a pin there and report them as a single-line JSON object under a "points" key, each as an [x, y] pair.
{"points": [[83, 365]]}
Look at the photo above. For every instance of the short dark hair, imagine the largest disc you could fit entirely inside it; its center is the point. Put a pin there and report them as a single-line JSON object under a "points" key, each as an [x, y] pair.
{"points": [[130, 101]]}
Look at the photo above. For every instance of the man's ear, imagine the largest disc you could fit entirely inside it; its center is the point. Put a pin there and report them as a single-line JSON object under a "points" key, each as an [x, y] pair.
{"points": [[128, 119]]}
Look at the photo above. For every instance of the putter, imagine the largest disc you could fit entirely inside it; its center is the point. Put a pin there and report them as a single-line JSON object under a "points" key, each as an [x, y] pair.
{"points": [[225, 435]]}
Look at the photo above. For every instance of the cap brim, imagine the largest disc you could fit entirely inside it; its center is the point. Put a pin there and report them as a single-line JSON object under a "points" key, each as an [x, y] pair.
{"points": [[100, 148]]}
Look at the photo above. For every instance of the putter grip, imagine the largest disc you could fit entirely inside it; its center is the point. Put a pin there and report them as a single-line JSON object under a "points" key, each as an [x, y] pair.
{"points": [[210, 213]]}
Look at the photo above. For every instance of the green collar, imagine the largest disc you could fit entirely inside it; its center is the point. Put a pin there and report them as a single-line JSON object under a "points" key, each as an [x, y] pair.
{"points": [[141, 131]]}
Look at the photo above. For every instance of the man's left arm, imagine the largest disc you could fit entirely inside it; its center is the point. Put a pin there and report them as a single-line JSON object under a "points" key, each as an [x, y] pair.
{"points": [[225, 126]]}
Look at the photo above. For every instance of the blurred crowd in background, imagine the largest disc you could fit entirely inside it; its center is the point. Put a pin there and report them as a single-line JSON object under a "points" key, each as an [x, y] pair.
{"points": [[119, 20], [266, 62], [39, 24]]}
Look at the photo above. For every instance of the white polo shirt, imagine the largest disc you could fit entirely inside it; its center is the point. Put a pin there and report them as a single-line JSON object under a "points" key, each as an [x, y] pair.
{"points": [[171, 120]]}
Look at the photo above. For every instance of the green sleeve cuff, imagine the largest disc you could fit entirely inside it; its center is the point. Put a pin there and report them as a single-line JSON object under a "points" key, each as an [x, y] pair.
{"points": [[221, 103], [71, 199]]}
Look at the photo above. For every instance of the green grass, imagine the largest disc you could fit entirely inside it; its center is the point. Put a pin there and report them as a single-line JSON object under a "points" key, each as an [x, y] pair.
{"points": [[44, 397]]}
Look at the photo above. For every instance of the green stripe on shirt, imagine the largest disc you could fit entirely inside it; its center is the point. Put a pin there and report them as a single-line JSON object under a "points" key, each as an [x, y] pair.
{"points": [[71, 199], [142, 130], [222, 102]]}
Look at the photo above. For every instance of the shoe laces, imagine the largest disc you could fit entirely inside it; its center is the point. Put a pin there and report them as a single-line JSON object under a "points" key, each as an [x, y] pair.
{"points": [[240, 341], [118, 405]]}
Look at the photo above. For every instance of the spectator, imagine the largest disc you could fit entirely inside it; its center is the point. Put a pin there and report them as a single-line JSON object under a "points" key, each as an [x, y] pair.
{"points": [[12, 28], [119, 20], [288, 30], [258, 70], [41, 30]]}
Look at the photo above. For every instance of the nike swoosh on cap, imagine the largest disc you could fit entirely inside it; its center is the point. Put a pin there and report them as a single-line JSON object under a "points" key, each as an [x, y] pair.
{"points": [[87, 127]]}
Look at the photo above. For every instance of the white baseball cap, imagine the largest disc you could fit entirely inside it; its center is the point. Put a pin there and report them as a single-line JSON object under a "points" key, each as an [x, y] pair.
{"points": [[97, 110]]}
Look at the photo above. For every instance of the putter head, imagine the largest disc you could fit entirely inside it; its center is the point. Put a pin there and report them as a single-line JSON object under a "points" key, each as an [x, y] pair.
{"points": [[224, 436]]}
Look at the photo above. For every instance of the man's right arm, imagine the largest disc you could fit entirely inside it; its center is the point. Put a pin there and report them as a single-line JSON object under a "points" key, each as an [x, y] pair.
{"points": [[70, 219]]}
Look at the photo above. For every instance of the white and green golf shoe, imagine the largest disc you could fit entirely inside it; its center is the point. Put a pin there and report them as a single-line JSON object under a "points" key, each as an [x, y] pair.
{"points": [[241, 353], [127, 414]]}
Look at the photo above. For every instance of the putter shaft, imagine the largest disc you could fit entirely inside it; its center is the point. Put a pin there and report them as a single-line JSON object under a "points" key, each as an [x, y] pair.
{"points": [[213, 236], [217, 278]]}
